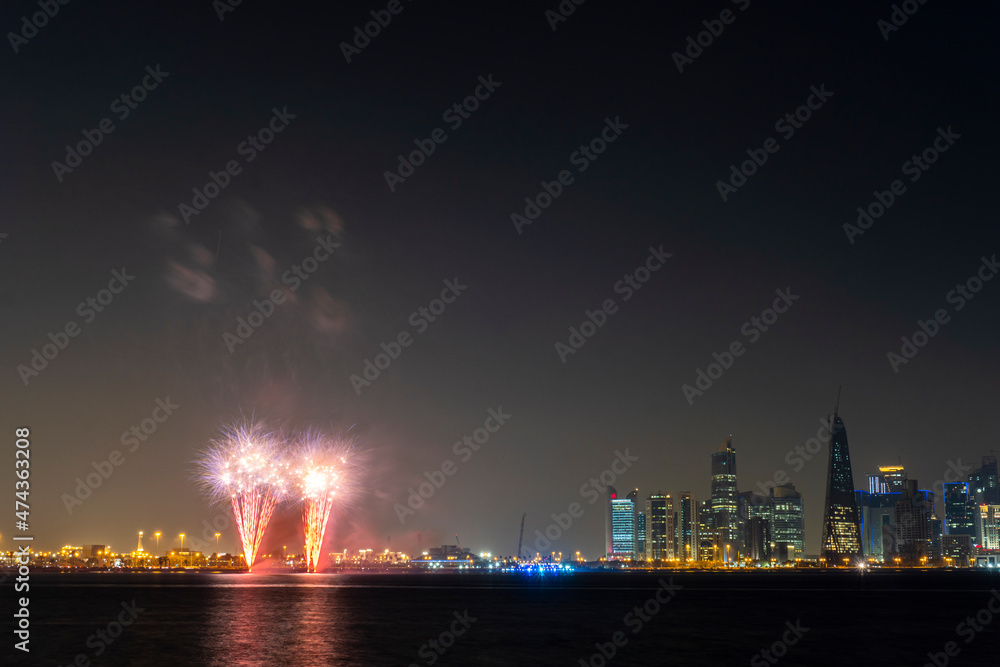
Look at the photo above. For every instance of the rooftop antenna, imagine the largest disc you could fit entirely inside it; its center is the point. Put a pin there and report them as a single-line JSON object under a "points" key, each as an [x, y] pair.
{"points": [[836, 408]]}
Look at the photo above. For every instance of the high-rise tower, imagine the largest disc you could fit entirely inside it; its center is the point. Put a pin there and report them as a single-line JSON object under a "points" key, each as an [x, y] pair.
{"points": [[687, 526], [623, 526], [788, 525], [660, 526], [841, 525], [725, 504], [959, 509]]}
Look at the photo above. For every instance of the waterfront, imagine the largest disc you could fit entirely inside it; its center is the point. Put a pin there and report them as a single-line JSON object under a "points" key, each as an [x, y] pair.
{"points": [[712, 618]]}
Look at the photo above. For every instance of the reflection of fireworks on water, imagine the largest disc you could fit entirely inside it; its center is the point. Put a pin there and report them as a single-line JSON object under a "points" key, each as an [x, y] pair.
{"points": [[247, 465], [323, 476]]}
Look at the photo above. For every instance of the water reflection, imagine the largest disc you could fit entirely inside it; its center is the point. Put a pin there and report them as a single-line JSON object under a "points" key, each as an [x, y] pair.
{"points": [[275, 620]]}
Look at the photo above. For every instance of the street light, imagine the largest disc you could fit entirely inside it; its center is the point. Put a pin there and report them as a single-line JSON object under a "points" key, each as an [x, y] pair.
{"points": [[217, 544], [157, 542], [182, 540]]}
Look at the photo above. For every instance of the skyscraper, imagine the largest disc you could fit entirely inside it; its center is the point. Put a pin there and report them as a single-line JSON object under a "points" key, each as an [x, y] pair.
{"points": [[788, 523], [623, 526], [877, 512], [914, 532], [608, 527], [959, 509], [984, 482], [660, 527], [758, 539], [893, 477], [708, 538], [841, 524], [687, 526], [725, 506], [755, 525], [989, 516], [641, 531]]}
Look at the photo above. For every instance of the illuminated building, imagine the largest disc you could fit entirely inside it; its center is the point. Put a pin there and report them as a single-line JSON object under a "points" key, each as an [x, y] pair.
{"points": [[753, 506], [758, 538], [687, 526], [640, 535], [862, 499], [445, 557], [707, 537], [99, 553], [788, 523], [725, 508], [876, 484], [608, 528], [989, 517], [841, 523], [623, 527], [937, 533], [959, 509], [983, 480], [71, 552], [184, 557], [659, 527], [877, 512], [956, 549], [892, 478], [877, 515], [914, 532]]}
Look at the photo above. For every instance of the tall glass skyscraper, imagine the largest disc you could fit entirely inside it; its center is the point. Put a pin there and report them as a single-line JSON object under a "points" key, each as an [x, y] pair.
{"points": [[623, 526], [641, 531], [725, 503], [984, 482], [660, 526], [989, 517], [755, 525], [914, 514], [959, 509], [877, 513], [687, 526], [841, 523], [788, 523], [708, 543]]}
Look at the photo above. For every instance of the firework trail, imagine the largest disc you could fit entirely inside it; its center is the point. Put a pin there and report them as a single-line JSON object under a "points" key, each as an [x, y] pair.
{"points": [[248, 465], [323, 476]]}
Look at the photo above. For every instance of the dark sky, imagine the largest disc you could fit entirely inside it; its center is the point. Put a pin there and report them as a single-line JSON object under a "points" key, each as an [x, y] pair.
{"points": [[495, 346]]}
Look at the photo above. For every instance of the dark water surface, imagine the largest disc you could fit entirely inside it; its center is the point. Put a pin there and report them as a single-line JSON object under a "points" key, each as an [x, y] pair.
{"points": [[712, 619]]}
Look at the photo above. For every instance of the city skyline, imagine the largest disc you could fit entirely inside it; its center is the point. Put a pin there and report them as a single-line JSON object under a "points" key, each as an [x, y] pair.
{"points": [[889, 482], [345, 291], [642, 307]]}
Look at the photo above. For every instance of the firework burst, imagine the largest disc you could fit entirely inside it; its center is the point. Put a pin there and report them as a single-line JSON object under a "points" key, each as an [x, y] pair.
{"points": [[247, 465], [323, 477]]}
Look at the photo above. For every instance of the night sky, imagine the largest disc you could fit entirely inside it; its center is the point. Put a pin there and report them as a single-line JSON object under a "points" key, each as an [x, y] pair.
{"points": [[608, 67]]}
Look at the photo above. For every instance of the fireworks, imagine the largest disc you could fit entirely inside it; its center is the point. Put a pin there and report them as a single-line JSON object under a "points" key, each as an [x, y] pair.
{"points": [[322, 476], [247, 465], [255, 469]]}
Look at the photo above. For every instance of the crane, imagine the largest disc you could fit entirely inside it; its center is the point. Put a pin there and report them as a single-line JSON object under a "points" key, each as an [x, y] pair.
{"points": [[520, 540]]}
